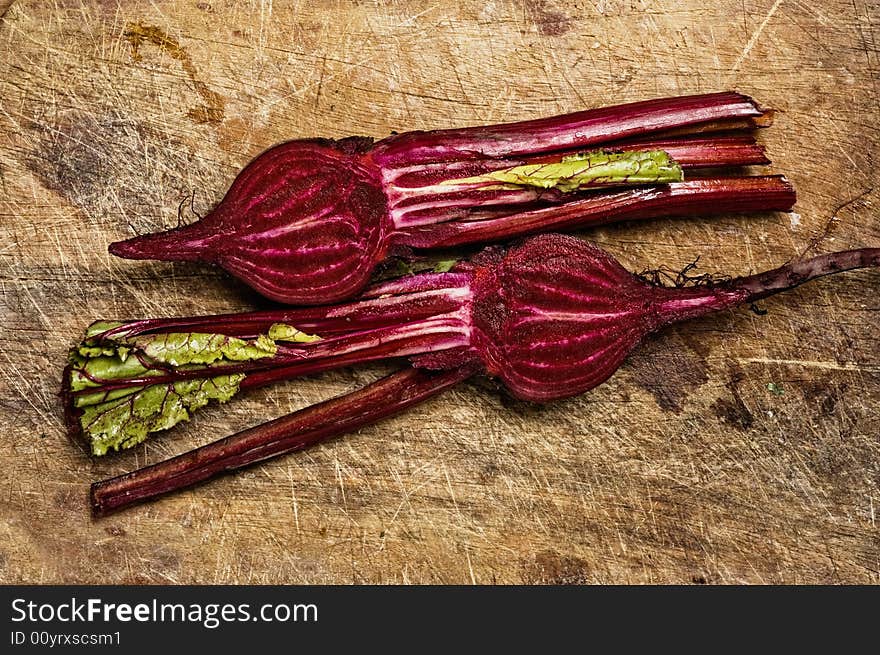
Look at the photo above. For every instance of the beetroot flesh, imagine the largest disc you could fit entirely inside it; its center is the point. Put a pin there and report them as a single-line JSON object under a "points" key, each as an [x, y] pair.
{"points": [[307, 221], [291, 225]]}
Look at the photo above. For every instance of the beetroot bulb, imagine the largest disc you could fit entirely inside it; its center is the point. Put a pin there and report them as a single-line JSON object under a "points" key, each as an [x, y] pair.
{"points": [[551, 317], [307, 221]]}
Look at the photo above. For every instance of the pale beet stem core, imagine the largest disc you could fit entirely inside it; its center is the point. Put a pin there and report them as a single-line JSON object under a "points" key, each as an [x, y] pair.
{"points": [[307, 221]]}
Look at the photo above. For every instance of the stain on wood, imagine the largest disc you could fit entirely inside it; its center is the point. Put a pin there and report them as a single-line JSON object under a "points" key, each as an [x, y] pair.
{"points": [[137, 34], [685, 467]]}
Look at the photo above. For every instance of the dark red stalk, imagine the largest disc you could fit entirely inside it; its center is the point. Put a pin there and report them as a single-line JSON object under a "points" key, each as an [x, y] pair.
{"points": [[306, 427], [430, 207], [695, 197], [381, 305], [692, 152], [307, 221], [748, 124], [570, 131], [793, 274], [428, 335]]}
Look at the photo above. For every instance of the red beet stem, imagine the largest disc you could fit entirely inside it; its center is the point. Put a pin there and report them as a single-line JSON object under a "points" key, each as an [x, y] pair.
{"points": [[706, 196], [749, 123], [434, 334], [705, 152], [386, 304], [416, 199], [689, 151], [306, 427], [796, 273], [576, 130], [426, 313]]}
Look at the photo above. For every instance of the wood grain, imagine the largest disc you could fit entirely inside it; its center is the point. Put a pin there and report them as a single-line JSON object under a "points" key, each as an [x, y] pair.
{"points": [[683, 468]]}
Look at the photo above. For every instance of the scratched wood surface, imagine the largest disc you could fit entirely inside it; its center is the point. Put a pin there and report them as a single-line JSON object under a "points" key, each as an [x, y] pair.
{"points": [[684, 468]]}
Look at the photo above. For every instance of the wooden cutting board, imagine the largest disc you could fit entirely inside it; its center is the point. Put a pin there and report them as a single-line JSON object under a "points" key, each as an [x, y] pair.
{"points": [[736, 448]]}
